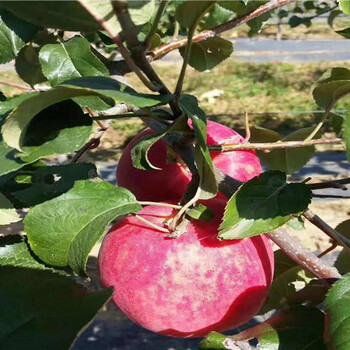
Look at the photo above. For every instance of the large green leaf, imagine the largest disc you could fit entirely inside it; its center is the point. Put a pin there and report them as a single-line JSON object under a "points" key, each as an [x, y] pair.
{"points": [[58, 129], [189, 12], [288, 160], [28, 66], [44, 310], [338, 315], [207, 54], [299, 328], [18, 121], [48, 182], [14, 34], [208, 185], [70, 59], [263, 204], [216, 16], [334, 84], [65, 15], [63, 231], [8, 214], [140, 12]]}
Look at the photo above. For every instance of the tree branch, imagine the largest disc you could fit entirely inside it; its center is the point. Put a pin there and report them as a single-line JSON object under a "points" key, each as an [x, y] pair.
{"points": [[272, 145], [330, 184], [163, 50], [328, 230]]}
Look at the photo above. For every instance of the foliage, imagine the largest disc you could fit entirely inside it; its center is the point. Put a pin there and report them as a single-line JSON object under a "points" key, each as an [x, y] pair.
{"points": [[73, 55]]}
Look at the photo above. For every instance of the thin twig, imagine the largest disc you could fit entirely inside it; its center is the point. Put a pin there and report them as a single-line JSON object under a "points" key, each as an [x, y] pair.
{"points": [[163, 50], [17, 86], [247, 127], [272, 145], [329, 249], [330, 184], [151, 224], [328, 230], [160, 204]]}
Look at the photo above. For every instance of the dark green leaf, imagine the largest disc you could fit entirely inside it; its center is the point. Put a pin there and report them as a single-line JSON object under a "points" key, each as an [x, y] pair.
{"points": [[51, 181], [14, 34], [344, 5], [16, 124], [295, 328], [295, 21], [63, 231], [208, 186], [263, 204], [288, 160], [342, 262], [65, 15], [332, 16], [345, 33], [200, 212], [207, 54], [44, 310], [28, 66], [338, 315], [58, 129], [70, 59], [333, 85], [8, 214], [189, 12]]}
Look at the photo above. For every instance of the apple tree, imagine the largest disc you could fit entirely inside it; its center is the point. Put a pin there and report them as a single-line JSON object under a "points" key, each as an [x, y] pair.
{"points": [[73, 56]]}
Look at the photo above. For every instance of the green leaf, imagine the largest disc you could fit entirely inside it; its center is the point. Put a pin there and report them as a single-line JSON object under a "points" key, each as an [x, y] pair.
{"points": [[200, 212], [296, 223], [344, 5], [338, 315], [207, 54], [299, 327], [58, 129], [288, 279], [18, 121], [287, 160], [208, 185], [14, 34], [49, 182], [344, 32], [346, 134], [70, 59], [62, 231], [64, 15], [263, 204], [28, 66], [342, 262], [14, 251], [44, 310], [333, 85], [216, 16], [139, 153], [140, 12], [8, 214], [189, 12]]}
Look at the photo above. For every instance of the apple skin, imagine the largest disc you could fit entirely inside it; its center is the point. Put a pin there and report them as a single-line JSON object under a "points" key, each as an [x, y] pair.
{"points": [[170, 183], [186, 286]]}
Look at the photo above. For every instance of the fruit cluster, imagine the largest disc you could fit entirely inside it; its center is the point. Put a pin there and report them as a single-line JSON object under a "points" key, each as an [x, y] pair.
{"points": [[194, 284]]}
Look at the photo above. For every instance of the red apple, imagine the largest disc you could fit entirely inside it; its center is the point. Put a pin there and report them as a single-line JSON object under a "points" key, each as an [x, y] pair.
{"points": [[170, 182], [187, 286]]}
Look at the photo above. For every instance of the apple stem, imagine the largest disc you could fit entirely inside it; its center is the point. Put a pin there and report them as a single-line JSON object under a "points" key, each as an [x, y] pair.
{"points": [[151, 224], [161, 204]]}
